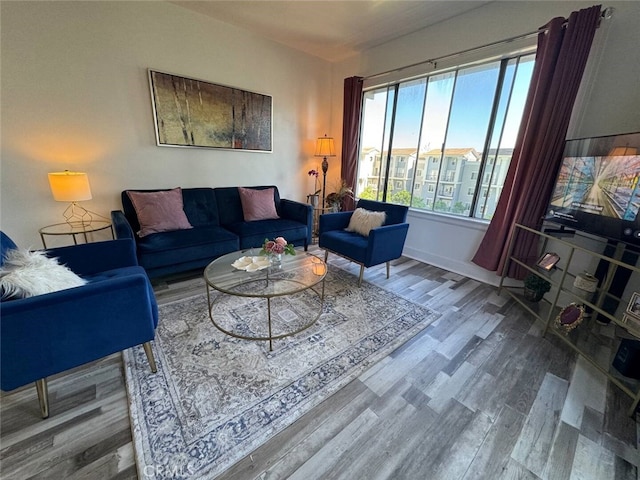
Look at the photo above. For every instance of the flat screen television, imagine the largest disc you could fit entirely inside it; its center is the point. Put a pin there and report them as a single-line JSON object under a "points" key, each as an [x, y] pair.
{"points": [[597, 189]]}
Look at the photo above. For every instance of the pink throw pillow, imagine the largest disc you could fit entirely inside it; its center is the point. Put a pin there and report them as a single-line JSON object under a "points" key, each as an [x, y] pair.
{"points": [[159, 211], [257, 204]]}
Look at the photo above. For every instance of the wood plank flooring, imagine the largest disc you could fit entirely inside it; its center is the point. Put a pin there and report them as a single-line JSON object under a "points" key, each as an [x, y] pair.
{"points": [[479, 394]]}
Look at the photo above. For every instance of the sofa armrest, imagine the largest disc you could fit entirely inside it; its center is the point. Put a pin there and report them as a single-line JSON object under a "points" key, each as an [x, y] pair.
{"points": [[299, 212], [90, 258], [386, 243], [121, 225], [333, 221], [47, 334]]}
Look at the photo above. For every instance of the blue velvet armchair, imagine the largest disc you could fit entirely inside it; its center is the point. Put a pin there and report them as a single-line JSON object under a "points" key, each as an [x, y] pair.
{"points": [[47, 334], [383, 244]]}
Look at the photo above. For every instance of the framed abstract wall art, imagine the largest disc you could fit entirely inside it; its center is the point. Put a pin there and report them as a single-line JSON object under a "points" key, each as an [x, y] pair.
{"points": [[195, 113]]}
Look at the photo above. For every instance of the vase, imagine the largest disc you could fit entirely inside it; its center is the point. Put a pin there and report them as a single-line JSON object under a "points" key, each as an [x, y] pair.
{"points": [[275, 259], [533, 295], [313, 200]]}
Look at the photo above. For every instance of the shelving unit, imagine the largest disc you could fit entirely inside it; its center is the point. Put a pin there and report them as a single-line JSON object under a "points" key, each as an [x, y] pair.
{"points": [[589, 338]]}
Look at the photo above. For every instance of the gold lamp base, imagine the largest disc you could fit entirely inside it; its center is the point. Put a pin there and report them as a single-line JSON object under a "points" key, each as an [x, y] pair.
{"points": [[77, 216]]}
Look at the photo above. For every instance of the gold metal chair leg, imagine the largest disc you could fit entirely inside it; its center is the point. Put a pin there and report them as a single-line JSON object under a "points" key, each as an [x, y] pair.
{"points": [[361, 275], [43, 396], [150, 359], [387, 270]]}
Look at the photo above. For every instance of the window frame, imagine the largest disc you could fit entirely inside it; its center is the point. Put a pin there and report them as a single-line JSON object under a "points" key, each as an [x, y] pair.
{"points": [[487, 161]]}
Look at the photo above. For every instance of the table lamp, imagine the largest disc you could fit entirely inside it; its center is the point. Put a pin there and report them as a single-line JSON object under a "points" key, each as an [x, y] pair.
{"points": [[72, 187], [325, 148]]}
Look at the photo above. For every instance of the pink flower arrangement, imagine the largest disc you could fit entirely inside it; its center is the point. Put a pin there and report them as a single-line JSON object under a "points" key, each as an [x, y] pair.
{"points": [[277, 246]]}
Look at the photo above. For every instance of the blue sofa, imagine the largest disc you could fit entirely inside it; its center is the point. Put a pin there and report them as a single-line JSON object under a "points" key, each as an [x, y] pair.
{"points": [[383, 244], [218, 228], [47, 334]]}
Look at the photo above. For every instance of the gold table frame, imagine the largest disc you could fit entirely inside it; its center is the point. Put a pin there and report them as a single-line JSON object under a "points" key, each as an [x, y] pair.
{"points": [[74, 228], [295, 274]]}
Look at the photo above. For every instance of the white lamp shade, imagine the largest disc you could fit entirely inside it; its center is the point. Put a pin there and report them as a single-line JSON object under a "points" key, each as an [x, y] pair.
{"points": [[70, 186]]}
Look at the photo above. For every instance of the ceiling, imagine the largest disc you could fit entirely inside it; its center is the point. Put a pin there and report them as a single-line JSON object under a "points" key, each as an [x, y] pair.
{"points": [[332, 30]]}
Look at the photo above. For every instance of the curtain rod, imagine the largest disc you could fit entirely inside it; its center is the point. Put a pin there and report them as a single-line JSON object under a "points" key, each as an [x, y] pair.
{"points": [[607, 13]]}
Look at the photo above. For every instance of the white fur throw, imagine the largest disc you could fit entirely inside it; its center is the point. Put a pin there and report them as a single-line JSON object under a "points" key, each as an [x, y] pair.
{"points": [[362, 221], [27, 274]]}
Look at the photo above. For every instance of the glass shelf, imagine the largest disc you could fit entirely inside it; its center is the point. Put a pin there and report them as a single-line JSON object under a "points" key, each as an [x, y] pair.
{"points": [[596, 343]]}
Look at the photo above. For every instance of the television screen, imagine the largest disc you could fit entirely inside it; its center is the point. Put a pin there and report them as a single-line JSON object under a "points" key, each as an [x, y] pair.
{"points": [[597, 189]]}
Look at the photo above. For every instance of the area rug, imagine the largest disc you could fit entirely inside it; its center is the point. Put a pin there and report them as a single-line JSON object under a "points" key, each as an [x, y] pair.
{"points": [[216, 398]]}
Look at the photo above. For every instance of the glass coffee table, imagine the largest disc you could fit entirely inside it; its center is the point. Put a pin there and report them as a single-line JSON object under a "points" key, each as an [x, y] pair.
{"points": [[253, 277]]}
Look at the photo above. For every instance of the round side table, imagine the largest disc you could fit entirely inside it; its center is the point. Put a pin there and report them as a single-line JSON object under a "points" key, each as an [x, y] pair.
{"points": [[74, 229]]}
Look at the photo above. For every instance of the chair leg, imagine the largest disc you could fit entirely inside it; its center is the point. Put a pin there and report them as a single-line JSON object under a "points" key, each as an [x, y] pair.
{"points": [[326, 256], [150, 359], [387, 270], [361, 275], [43, 396]]}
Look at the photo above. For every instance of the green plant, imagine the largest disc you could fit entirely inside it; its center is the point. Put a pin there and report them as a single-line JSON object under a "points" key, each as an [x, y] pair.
{"points": [[536, 283], [342, 190]]}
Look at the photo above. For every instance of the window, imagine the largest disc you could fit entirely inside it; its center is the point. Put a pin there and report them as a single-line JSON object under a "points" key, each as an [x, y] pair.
{"points": [[451, 116]]}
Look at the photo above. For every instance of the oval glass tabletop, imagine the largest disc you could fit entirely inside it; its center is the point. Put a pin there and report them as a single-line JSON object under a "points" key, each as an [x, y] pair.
{"points": [[244, 273]]}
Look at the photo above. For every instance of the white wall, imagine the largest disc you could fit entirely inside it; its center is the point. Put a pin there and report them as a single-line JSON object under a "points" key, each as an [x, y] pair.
{"points": [[608, 102], [75, 95]]}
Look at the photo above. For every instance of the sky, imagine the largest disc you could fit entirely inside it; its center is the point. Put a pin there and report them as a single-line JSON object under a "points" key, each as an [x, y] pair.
{"points": [[470, 110]]}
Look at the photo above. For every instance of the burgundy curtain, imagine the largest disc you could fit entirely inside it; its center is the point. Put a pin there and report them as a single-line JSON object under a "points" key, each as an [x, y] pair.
{"points": [[563, 49], [350, 133]]}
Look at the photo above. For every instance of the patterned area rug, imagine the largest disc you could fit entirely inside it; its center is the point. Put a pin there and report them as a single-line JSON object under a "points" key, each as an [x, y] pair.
{"points": [[216, 398]]}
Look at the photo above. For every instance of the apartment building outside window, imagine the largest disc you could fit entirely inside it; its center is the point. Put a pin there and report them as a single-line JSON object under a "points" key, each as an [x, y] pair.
{"points": [[452, 132]]}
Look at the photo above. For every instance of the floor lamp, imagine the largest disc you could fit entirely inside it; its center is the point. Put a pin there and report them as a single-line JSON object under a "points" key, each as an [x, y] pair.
{"points": [[325, 148]]}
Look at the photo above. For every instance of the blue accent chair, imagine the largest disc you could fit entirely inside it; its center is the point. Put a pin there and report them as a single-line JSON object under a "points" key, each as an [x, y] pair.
{"points": [[383, 244], [47, 334]]}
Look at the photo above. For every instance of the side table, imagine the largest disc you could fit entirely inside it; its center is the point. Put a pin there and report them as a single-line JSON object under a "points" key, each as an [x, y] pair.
{"points": [[75, 228], [317, 211]]}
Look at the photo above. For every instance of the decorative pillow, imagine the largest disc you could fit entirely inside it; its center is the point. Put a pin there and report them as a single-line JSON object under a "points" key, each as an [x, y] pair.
{"points": [[159, 211], [362, 221], [257, 204], [27, 274]]}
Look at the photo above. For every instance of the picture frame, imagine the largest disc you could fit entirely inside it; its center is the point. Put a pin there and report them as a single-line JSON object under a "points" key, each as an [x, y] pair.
{"points": [[189, 112], [548, 261], [633, 308]]}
